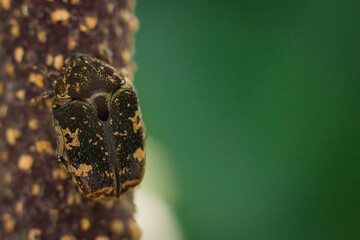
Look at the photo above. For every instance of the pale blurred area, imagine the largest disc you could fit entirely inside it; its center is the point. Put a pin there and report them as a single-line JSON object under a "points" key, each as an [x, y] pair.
{"points": [[158, 195]]}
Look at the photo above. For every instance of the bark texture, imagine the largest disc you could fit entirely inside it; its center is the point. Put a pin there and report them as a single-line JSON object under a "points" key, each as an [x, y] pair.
{"points": [[37, 199]]}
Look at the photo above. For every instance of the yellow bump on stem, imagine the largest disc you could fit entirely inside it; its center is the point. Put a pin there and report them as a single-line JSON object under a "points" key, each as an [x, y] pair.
{"points": [[34, 234], [5, 4], [58, 61], [20, 94], [49, 59], [33, 124], [8, 222], [25, 162], [12, 134], [18, 54], [15, 30], [43, 146], [85, 224], [35, 190], [59, 15], [36, 79], [91, 22], [10, 69], [19, 206], [71, 44], [41, 36], [117, 227], [133, 229], [102, 238], [68, 237]]}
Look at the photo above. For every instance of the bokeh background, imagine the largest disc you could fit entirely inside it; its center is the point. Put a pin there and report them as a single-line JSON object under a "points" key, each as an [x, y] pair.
{"points": [[256, 104]]}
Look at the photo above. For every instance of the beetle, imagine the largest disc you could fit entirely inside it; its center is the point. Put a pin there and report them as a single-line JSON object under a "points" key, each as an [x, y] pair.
{"points": [[99, 128]]}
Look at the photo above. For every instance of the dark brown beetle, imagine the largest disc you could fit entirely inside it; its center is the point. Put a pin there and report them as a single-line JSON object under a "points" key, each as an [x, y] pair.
{"points": [[100, 132]]}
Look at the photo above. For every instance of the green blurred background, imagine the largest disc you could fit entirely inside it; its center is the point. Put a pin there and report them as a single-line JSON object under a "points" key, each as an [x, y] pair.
{"points": [[258, 104]]}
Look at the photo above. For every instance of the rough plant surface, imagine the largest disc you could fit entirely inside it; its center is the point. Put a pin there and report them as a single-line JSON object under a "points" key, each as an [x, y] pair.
{"points": [[37, 199]]}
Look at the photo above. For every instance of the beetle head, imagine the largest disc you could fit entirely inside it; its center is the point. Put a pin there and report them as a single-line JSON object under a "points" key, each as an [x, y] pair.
{"points": [[82, 76]]}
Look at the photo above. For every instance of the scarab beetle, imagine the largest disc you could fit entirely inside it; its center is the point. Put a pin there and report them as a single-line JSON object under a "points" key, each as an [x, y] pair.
{"points": [[99, 129]]}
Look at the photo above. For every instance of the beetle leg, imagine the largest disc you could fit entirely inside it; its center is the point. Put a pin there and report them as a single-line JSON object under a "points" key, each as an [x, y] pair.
{"points": [[106, 55], [62, 161], [45, 98], [45, 71], [54, 75], [40, 67]]}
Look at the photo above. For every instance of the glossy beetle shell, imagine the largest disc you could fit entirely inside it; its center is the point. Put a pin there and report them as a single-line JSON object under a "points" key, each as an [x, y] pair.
{"points": [[100, 132]]}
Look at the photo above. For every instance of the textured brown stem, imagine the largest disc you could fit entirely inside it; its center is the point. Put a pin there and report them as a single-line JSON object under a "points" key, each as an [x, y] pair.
{"points": [[37, 200]]}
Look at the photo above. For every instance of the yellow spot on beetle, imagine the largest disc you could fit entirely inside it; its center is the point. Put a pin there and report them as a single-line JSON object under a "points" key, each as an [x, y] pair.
{"points": [[129, 183], [18, 54], [25, 162], [77, 87], [139, 154], [82, 171], [74, 138], [12, 134], [75, 2], [1, 88], [136, 121], [101, 192], [98, 135]]}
